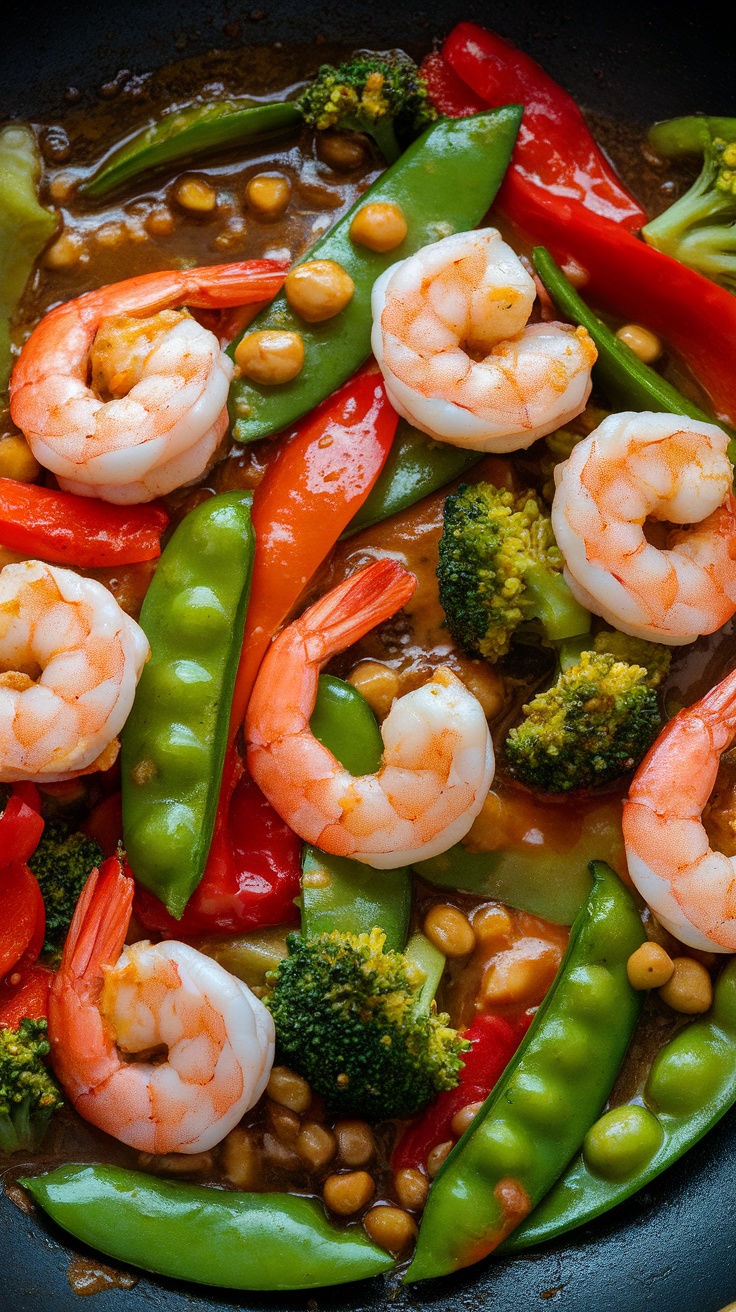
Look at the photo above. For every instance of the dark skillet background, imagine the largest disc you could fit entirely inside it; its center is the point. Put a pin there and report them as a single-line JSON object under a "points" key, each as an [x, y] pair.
{"points": [[673, 1247]]}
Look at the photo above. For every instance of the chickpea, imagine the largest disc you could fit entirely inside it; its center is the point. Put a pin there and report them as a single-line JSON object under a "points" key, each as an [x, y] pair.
{"points": [[281, 1154], [240, 1159], [649, 967], [355, 1142], [65, 252], [343, 151], [159, 222], [689, 990], [510, 978], [62, 187], [268, 194], [17, 460], [111, 234], [390, 1228], [270, 356], [449, 930], [285, 1124], [316, 1144], [177, 1163], [288, 1089], [379, 225], [318, 290], [485, 684], [492, 923], [437, 1156], [378, 683], [346, 1194], [195, 195], [462, 1119], [411, 1188], [646, 345]]}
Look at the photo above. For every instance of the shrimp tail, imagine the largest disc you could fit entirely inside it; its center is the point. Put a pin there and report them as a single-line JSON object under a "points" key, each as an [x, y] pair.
{"points": [[100, 923], [353, 608], [242, 283]]}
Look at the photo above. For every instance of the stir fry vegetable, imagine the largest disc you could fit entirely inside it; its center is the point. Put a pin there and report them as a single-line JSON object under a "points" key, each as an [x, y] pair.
{"points": [[25, 227]]}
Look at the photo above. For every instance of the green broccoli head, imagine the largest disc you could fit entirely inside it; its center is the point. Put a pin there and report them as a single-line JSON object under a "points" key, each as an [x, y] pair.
{"points": [[499, 567], [382, 95], [596, 722], [62, 863], [28, 1094], [349, 1018], [653, 657], [700, 228]]}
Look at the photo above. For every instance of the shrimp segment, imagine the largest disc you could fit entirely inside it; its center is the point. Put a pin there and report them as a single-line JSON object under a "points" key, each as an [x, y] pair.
{"points": [[217, 1037], [658, 466], [438, 757], [155, 410], [71, 659], [690, 887], [465, 297]]}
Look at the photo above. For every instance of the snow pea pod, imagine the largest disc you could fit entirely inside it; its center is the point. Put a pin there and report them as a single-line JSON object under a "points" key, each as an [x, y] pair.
{"points": [[685, 136], [692, 1082], [553, 1089], [344, 723], [209, 1236], [25, 227], [173, 744], [186, 133], [443, 183]]}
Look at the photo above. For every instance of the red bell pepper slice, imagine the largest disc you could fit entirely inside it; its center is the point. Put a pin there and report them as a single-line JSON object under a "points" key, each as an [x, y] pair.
{"points": [[555, 148], [21, 825], [28, 996], [105, 824], [448, 93], [79, 531], [257, 884], [22, 917], [494, 1042]]}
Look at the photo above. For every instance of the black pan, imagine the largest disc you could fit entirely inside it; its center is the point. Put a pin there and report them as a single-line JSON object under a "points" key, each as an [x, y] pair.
{"points": [[673, 1247]]}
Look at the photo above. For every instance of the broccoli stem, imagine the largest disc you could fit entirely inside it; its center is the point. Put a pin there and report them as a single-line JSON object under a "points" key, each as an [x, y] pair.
{"points": [[382, 132], [431, 962], [553, 603]]}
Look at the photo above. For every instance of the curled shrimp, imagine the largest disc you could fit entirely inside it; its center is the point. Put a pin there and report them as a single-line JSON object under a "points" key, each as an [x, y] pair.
{"points": [[458, 358], [690, 888], [71, 659], [205, 1042], [635, 467], [154, 411], [438, 758]]}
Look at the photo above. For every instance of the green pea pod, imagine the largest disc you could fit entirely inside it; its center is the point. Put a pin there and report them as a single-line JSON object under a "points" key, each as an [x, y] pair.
{"points": [[344, 723], [416, 467], [550, 1093], [687, 136], [443, 183], [692, 1082], [209, 1236], [25, 227], [186, 133], [173, 744]]}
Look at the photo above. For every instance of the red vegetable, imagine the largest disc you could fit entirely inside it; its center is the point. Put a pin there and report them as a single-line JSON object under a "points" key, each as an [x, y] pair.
{"points": [[21, 825], [448, 93], [494, 1043], [26, 996], [22, 917], [77, 531]]}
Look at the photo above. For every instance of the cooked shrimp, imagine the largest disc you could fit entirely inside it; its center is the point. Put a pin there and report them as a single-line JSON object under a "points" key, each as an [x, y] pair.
{"points": [[690, 888], [459, 360], [71, 660], [438, 758], [155, 410], [635, 467], [205, 1043]]}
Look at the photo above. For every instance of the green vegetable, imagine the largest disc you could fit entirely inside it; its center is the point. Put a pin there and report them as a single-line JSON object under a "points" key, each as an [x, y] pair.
{"points": [[25, 227], [499, 567], [416, 467], [209, 1236], [173, 744], [692, 1082], [247, 956], [353, 1019], [62, 863], [186, 133], [551, 1092], [443, 183], [28, 1094], [654, 657], [384, 97], [343, 722], [700, 228]]}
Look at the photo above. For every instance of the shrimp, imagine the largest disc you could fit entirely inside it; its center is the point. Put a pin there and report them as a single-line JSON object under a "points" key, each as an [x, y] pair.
{"points": [[438, 759], [71, 659], [155, 409], [658, 466], [690, 888], [204, 1042], [458, 358]]}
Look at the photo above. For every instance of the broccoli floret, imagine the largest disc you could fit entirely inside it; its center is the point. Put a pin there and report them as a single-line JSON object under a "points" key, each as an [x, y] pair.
{"points": [[653, 657], [700, 228], [499, 567], [28, 1094], [350, 1019], [382, 95], [596, 722], [62, 863]]}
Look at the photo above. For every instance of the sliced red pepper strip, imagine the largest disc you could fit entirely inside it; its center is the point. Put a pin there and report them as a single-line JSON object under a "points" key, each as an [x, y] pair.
{"points": [[22, 917], [79, 531], [29, 996], [21, 825], [494, 1042], [555, 148], [105, 824], [448, 93]]}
